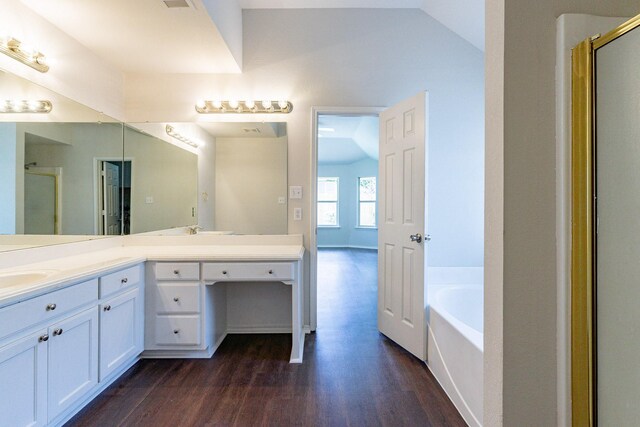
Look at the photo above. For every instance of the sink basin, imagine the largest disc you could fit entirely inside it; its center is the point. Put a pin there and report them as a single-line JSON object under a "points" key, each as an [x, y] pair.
{"points": [[8, 280]]}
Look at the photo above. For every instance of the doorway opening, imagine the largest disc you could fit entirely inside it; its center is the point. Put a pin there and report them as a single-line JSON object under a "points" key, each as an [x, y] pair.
{"points": [[344, 243]]}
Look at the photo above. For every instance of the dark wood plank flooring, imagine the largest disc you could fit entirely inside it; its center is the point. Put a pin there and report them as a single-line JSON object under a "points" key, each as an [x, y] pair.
{"points": [[351, 375]]}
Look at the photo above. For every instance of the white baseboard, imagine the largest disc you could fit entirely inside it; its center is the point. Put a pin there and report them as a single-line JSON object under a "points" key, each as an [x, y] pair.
{"points": [[253, 329], [375, 248], [178, 354]]}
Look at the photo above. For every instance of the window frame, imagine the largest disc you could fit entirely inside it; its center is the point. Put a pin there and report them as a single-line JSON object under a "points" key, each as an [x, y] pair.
{"points": [[360, 202], [336, 202]]}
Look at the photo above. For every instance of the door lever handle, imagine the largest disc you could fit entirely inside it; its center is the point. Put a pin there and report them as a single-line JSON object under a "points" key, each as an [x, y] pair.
{"points": [[416, 237]]}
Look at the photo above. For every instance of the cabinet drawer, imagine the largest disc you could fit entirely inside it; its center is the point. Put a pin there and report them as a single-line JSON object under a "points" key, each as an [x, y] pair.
{"points": [[248, 271], [123, 279], [27, 313], [178, 271], [177, 298], [178, 330]]}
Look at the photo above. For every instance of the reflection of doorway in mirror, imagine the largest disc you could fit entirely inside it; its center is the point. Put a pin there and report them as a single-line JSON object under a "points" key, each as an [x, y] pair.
{"points": [[42, 204], [113, 196], [110, 198]]}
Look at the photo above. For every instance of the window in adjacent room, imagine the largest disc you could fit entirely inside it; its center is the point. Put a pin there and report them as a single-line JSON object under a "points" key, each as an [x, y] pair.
{"points": [[367, 201], [327, 202]]}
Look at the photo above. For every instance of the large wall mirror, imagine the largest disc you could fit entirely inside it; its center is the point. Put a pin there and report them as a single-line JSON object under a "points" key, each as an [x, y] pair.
{"points": [[229, 177], [49, 170], [75, 174]]}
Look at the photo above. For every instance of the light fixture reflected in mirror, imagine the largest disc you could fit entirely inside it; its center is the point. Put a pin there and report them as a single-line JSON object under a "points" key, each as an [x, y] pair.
{"points": [[23, 53], [250, 107], [25, 106], [174, 134]]}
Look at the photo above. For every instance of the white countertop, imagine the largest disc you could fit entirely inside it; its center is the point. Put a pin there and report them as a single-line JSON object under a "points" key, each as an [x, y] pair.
{"points": [[67, 270]]}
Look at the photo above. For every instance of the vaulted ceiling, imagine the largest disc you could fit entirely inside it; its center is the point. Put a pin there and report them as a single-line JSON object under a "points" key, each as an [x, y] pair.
{"points": [[205, 36]]}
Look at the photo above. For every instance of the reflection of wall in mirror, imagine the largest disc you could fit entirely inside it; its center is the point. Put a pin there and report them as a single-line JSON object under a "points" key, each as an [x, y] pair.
{"points": [[250, 176], [8, 176], [165, 183], [72, 147]]}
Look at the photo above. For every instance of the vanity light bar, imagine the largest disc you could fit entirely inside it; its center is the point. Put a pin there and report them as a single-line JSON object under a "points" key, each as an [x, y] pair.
{"points": [[172, 133], [41, 106], [246, 107], [28, 56]]}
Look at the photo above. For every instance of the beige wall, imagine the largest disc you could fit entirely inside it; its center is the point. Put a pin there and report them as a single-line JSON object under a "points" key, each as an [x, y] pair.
{"points": [[520, 261], [250, 176]]}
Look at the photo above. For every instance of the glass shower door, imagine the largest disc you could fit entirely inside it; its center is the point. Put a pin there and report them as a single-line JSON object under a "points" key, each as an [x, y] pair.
{"points": [[617, 234]]}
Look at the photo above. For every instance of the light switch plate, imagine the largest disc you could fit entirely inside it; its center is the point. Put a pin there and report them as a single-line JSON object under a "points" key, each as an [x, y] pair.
{"points": [[295, 192], [148, 199], [282, 200], [297, 214]]}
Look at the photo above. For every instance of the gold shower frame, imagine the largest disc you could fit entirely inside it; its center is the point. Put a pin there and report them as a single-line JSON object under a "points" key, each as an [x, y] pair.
{"points": [[583, 374]]}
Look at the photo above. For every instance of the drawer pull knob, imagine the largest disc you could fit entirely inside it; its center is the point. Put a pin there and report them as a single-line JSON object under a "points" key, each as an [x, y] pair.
{"points": [[125, 280], [176, 271], [270, 271], [176, 331], [224, 271], [176, 299], [58, 332], [43, 338], [107, 308], [51, 307]]}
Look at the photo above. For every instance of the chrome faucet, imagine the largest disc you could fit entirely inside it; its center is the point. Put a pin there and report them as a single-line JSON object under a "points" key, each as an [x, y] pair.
{"points": [[193, 229]]}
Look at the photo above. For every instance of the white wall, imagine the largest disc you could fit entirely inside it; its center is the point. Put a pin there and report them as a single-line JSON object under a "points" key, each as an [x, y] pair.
{"points": [[520, 264], [8, 173], [369, 58], [75, 71], [347, 235]]}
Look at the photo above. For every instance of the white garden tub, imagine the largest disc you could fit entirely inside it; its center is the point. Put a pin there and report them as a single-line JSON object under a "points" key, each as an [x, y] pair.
{"points": [[455, 345]]}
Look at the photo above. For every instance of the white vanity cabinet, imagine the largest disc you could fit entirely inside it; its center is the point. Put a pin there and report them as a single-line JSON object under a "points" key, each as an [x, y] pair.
{"points": [[23, 375], [174, 309], [73, 360], [48, 354], [121, 318]]}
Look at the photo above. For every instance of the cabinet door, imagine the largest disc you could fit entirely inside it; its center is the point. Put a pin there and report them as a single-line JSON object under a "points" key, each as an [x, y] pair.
{"points": [[23, 381], [73, 360], [121, 330]]}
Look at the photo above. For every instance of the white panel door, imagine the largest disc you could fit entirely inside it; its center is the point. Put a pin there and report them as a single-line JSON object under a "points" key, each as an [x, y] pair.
{"points": [[121, 331], [111, 198], [401, 229], [23, 381], [73, 360]]}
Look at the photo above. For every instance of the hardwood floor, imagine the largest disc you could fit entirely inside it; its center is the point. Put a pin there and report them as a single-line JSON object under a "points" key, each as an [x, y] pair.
{"points": [[351, 375]]}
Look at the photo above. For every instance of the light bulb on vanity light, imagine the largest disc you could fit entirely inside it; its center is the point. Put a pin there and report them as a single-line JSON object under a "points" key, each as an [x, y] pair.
{"points": [[266, 105], [233, 104], [250, 104], [216, 104], [283, 104], [201, 104]]}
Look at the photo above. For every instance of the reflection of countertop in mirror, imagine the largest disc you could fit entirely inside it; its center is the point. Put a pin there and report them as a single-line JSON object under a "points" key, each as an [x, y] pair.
{"points": [[24, 241], [25, 279]]}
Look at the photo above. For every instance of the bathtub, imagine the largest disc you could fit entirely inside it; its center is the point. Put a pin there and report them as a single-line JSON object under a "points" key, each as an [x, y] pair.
{"points": [[455, 345]]}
